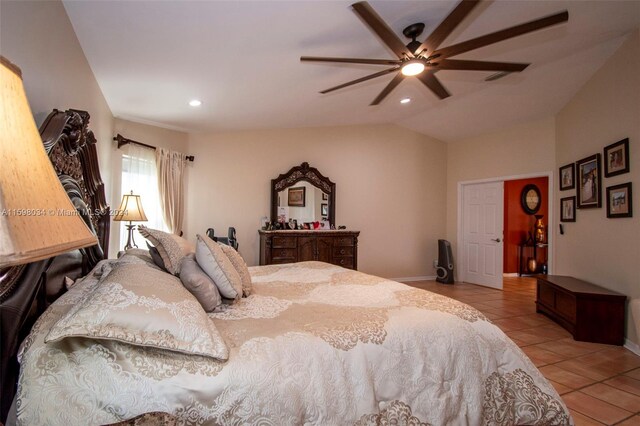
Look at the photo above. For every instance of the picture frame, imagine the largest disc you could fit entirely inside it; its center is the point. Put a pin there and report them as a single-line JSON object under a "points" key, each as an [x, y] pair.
{"points": [[589, 182], [568, 209], [325, 196], [296, 196], [567, 177], [616, 158], [619, 201], [324, 209]]}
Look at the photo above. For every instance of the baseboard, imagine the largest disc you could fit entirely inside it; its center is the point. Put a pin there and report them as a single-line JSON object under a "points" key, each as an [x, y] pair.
{"points": [[411, 279], [510, 274], [633, 347]]}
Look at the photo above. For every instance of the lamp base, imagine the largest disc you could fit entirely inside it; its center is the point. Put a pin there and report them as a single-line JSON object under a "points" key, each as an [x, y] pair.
{"points": [[131, 243]]}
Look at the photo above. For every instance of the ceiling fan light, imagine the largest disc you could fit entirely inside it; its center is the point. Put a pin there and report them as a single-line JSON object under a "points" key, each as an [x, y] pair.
{"points": [[412, 68]]}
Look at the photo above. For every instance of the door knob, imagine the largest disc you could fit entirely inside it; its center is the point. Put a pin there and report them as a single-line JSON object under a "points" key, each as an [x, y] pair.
{"points": [[497, 240]]}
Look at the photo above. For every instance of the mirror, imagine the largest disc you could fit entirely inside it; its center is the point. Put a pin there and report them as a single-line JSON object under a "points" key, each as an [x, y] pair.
{"points": [[303, 194]]}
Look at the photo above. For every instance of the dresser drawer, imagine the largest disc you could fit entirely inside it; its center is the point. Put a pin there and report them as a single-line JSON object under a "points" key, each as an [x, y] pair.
{"points": [[345, 262], [283, 253], [283, 242], [344, 241], [343, 251]]}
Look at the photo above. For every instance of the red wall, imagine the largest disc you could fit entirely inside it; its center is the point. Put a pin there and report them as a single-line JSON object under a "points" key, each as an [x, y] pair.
{"points": [[517, 223]]}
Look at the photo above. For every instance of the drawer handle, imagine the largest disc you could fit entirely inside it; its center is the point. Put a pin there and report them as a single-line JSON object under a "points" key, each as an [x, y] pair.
{"points": [[342, 261], [342, 251]]}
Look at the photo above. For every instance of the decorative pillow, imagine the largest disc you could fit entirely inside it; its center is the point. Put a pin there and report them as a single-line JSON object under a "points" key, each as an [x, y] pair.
{"points": [[217, 265], [199, 284], [155, 256], [143, 306], [171, 247], [239, 264]]}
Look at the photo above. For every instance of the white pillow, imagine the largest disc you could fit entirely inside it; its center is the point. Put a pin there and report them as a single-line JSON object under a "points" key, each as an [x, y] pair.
{"points": [[217, 265], [143, 306]]}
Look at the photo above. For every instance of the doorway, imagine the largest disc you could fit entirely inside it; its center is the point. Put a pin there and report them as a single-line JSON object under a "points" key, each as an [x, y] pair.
{"points": [[519, 228], [485, 221]]}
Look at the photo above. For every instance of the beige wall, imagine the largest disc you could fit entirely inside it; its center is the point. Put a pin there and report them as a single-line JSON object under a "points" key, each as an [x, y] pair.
{"points": [[150, 135], [606, 110], [523, 149], [390, 185], [38, 37]]}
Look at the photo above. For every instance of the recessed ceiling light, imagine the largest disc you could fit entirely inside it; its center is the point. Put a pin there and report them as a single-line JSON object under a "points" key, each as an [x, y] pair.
{"points": [[405, 100], [195, 103]]}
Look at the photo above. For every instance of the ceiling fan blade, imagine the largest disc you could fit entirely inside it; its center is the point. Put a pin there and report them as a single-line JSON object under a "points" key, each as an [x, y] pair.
{"points": [[505, 34], [360, 80], [392, 85], [352, 60], [458, 64], [432, 82], [448, 25], [373, 20]]}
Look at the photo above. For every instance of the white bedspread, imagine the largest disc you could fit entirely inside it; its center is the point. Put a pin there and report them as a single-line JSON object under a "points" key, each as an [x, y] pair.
{"points": [[313, 344]]}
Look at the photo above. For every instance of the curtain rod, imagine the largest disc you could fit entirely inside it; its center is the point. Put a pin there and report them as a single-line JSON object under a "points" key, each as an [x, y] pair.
{"points": [[124, 141]]}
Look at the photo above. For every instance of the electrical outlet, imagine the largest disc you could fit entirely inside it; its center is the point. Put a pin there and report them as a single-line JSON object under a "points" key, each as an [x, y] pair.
{"points": [[435, 263]]}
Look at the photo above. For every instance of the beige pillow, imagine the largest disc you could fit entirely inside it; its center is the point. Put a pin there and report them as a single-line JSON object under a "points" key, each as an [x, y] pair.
{"points": [[238, 262], [217, 265], [172, 248], [199, 284], [141, 305]]}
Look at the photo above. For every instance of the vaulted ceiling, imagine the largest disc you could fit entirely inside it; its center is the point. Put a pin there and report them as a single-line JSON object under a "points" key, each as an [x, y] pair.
{"points": [[241, 59]]}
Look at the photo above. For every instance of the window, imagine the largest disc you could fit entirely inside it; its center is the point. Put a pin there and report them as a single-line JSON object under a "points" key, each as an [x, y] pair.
{"points": [[140, 176]]}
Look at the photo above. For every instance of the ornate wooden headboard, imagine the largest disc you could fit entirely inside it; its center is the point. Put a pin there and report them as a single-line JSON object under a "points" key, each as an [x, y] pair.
{"points": [[26, 290]]}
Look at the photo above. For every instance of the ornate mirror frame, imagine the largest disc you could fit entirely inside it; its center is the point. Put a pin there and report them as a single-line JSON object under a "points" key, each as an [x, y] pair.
{"points": [[299, 173]]}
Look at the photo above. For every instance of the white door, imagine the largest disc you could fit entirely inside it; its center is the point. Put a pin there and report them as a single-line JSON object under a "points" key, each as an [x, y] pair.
{"points": [[482, 223]]}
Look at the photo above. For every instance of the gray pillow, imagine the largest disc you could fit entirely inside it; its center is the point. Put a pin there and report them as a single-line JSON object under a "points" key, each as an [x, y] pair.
{"points": [[217, 265], [155, 256], [199, 284]]}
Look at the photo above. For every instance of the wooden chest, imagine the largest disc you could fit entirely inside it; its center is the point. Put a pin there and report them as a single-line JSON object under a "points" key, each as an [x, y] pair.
{"points": [[589, 312]]}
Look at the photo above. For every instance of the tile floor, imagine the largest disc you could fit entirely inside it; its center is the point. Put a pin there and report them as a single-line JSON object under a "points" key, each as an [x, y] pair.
{"points": [[599, 383]]}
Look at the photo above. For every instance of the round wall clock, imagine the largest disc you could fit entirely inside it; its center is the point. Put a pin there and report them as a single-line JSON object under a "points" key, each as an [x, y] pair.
{"points": [[530, 199]]}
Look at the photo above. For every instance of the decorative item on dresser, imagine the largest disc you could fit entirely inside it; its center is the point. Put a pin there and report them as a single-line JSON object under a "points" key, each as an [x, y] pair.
{"points": [[589, 312], [336, 247]]}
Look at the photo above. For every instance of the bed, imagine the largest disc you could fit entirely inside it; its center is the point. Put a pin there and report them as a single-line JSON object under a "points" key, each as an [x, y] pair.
{"points": [[313, 344]]}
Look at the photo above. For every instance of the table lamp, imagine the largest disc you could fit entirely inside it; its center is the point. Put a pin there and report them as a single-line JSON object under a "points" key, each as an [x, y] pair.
{"points": [[35, 211], [131, 211]]}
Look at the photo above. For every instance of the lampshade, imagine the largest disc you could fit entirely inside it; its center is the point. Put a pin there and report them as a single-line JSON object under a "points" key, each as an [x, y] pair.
{"points": [[130, 209], [37, 219]]}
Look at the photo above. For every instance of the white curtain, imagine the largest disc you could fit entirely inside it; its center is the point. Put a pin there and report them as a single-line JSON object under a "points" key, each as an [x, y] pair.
{"points": [[170, 174], [139, 174]]}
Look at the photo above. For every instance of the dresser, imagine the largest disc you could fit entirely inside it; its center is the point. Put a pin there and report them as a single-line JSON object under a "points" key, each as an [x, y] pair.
{"points": [[336, 247], [589, 312]]}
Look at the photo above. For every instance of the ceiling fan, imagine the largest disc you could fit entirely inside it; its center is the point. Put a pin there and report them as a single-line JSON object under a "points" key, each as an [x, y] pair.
{"points": [[422, 60]]}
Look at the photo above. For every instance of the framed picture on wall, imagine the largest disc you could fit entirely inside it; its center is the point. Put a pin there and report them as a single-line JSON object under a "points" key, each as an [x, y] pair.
{"points": [[616, 158], [296, 196], [567, 177], [325, 196], [619, 201], [324, 209], [568, 209], [589, 181]]}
